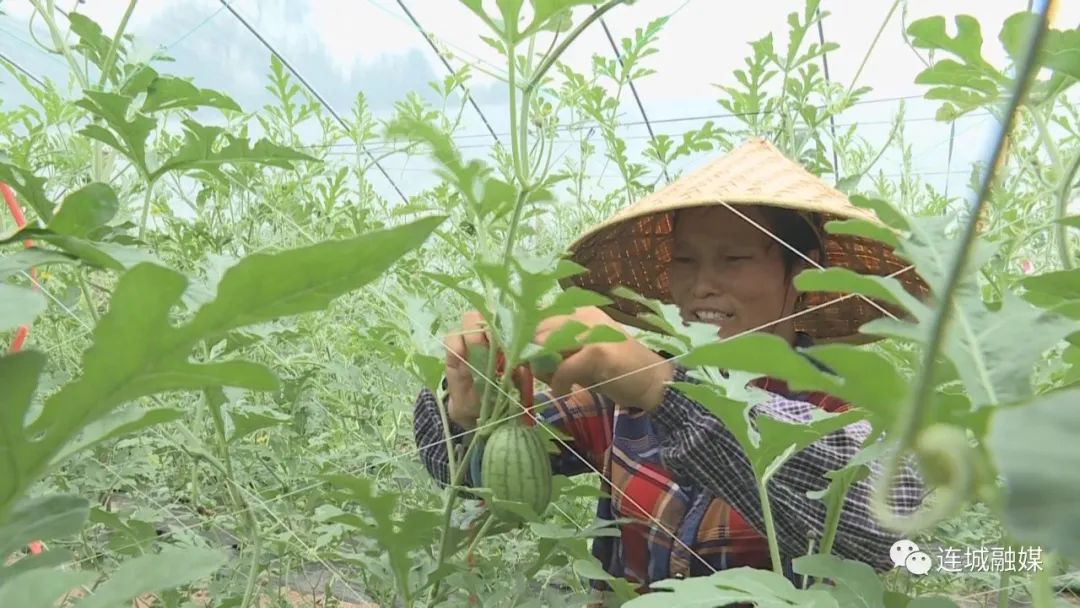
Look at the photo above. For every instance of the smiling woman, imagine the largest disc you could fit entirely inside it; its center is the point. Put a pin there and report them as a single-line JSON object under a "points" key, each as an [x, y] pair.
{"points": [[736, 273], [722, 244]]}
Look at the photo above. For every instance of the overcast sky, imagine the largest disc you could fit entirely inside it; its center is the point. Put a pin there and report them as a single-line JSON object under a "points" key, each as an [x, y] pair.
{"points": [[342, 46]]}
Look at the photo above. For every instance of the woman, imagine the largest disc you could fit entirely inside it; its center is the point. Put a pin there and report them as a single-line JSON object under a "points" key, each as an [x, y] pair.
{"points": [[722, 244]]}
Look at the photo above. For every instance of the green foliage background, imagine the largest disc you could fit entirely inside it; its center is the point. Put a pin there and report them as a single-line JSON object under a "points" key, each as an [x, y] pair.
{"points": [[245, 370]]}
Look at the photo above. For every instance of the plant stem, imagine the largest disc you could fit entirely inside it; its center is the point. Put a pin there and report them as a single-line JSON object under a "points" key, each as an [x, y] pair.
{"points": [[107, 66], [914, 413], [81, 75], [1044, 135], [1068, 173], [1061, 234], [554, 56], [517, 129], [534, 81], [832, 523], [450, 457], [1042, 595], [518, 143], [519, 206], [770, 528], [448, 511], [1003, 589], [54, 31], [832, 516], [480, 534], [809, 551], [240, 503], [85, 288], [515, 141], [145, 209], [525, 176], [237, 498]]}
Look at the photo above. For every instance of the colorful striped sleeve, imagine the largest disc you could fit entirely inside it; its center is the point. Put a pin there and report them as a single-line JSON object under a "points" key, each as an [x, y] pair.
{"points": [[587, 417], [696, 445]]}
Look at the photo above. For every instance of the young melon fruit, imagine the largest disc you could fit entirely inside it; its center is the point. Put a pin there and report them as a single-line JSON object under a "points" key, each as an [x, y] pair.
{"points": [[545, 364], [516, 467]]}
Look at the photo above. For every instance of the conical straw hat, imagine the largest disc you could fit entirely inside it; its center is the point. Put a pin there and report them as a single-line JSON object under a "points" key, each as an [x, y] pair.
{"points": [[632, 248]]}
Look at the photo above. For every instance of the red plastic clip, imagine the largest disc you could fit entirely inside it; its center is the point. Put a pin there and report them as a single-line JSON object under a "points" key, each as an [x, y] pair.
{"points": [[20, 222], [35, 547]]}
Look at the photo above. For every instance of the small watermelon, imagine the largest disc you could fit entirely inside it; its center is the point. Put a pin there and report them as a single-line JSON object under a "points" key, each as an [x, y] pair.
{"points": [[516, 467]]}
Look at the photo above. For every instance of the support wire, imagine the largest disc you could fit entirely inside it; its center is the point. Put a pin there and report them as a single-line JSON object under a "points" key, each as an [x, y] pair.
{"points": [[314, 93], [449, 69], [633, 89]]}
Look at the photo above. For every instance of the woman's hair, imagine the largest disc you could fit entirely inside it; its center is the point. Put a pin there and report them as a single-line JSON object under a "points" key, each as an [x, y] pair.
{"points": [[796, 230]]}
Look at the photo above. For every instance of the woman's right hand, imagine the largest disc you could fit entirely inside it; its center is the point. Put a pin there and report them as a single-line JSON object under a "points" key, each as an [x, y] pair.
{"points": [[464, 406]]}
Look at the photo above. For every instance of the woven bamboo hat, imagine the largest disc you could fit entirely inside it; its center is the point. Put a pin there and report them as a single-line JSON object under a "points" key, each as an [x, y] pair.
{"points": [[632, 248]]}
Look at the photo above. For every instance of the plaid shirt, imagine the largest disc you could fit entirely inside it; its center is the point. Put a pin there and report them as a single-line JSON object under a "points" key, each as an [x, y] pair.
{"points": [[687, 471]]}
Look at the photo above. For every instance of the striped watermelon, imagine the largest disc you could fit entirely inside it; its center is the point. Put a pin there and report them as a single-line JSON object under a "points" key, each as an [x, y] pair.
{"points": [[516, 467]]}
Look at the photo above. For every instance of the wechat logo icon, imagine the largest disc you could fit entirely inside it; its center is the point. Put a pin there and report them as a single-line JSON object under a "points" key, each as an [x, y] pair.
{"points": [[906, 554]]}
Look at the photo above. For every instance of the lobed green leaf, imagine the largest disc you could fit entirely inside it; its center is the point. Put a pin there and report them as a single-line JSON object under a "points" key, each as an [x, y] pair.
{"points": [[85, 210], [126, 136], [136, 351], [1033, 447], [154, 573], [29, 187]]}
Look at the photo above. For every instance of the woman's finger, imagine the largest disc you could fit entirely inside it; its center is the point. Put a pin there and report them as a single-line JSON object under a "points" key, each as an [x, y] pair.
{"points": [[457, 343], [454, 343], [575, 369], [474, 328]]}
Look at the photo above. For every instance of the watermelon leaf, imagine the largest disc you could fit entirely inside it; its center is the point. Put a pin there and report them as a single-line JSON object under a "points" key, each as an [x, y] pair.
{"points": [[137, 351]]}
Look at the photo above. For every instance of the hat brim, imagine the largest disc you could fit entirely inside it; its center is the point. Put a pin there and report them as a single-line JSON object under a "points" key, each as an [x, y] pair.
{"points": [[633, 248]]}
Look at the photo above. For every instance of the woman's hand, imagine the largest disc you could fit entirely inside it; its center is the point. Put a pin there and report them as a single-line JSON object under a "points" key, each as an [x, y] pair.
{"points": [[464, 406], [627, 372]]}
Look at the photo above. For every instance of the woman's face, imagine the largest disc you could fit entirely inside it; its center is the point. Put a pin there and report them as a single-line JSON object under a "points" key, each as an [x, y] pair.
{"points": [[727, 272]]}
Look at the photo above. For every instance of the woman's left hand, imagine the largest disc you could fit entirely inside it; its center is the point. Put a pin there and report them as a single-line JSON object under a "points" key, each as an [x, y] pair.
{"points": [[627, 372]]}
